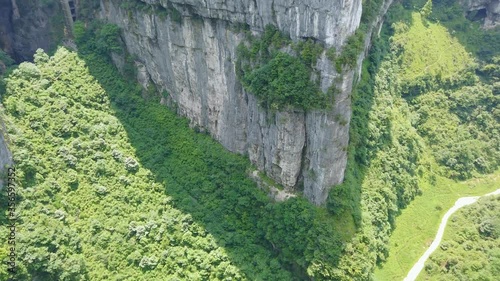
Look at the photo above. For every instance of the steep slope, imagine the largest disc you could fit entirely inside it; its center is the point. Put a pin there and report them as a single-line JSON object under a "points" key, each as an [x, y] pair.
{"points": [[422, 115]]}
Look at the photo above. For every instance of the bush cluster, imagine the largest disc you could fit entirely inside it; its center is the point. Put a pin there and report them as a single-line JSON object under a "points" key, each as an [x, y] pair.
{"points": [[280, 79]]}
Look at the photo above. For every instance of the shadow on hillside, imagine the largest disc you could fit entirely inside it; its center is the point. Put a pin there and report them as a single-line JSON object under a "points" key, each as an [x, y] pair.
{"points": [[211, 184]]}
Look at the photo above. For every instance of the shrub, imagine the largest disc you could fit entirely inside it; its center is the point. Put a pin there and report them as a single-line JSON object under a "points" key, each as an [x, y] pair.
{"points": [[278, 79], [284, 81]]}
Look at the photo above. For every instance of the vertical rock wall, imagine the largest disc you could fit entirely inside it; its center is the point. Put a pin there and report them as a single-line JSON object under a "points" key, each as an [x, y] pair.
{"points": [[26, 25], [193, 60]]}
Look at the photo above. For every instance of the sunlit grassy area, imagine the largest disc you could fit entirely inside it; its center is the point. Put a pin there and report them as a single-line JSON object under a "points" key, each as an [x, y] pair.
{"points": [[429, 49], [418, 223]]}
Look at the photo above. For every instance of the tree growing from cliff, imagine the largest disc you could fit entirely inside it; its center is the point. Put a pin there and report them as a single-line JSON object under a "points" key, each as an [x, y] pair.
{"points": [[278, 79], [284, 81]]}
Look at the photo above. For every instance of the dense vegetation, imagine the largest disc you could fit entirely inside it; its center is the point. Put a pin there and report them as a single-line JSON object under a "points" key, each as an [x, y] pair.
{"points": [[417, 224], [154, 8], [420, 113], [5, 61], [354, 46], [280, 80], [115, 187], [470, 249], [456, 113]]}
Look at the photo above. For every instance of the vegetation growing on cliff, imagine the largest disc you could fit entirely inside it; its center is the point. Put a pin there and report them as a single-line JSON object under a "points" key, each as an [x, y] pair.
{"points": [[283, 81], [279, 72], [5, 64], [5, 61]]}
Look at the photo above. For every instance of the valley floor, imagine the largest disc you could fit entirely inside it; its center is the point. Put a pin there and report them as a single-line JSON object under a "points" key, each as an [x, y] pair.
{"points": [[416, 226]]}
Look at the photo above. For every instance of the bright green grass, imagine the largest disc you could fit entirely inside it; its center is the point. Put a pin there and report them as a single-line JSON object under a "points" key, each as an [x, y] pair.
{"points": [[418, 223], [430, 50]]}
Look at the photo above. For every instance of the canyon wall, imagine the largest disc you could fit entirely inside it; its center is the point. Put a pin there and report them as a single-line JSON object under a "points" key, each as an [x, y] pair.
{"points": [[491, 9], [193, 60], [26, 25]]}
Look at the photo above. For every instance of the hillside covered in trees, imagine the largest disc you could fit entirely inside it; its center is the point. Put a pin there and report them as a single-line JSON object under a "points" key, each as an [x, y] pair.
{"points": [[422, 115], [114, 186]]}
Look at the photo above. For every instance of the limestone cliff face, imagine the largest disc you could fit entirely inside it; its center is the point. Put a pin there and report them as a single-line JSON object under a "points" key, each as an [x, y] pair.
{"points": [[491, 8], [26, 25], [193, 60], [6, 33]]}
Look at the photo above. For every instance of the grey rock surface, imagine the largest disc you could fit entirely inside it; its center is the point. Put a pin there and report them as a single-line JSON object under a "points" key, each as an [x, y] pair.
{"points": [[5, 154], [193, 60], [326, 20], [27, 25], [491, 7]]}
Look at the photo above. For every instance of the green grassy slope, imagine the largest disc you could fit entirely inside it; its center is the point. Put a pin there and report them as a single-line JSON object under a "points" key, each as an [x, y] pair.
{"points": [[429, 50], [417, 225], [424, 120], [88, 209]]}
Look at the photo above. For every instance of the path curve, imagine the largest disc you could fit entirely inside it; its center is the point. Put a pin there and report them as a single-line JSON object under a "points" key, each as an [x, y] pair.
{"points": [[461, 202]]}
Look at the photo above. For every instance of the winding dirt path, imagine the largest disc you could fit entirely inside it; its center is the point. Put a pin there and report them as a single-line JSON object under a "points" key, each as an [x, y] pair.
{"points": [[461, 202]]}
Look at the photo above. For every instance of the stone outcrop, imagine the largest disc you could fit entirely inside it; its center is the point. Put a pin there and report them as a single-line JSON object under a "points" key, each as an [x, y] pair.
{"points": [[5, 155], [491, 8], [27, 25], [6, 33]]}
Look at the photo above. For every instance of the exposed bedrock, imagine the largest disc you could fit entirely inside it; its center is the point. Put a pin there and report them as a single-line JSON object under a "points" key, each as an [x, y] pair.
{"points": [[194, 61]]}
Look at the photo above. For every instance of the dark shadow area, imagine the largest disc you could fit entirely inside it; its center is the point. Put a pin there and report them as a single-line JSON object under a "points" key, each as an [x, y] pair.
{"points": [[477, 15]]}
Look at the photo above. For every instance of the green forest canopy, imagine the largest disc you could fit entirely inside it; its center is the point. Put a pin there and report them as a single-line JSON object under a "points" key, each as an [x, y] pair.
{"points": [[123, 188], [112, 186]]}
